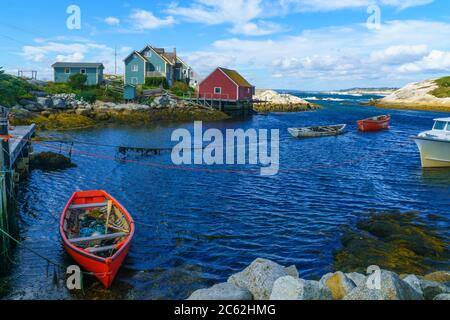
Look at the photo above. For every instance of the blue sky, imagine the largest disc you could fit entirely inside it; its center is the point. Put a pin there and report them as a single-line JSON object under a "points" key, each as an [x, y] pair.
{"points": [[285, 44]]}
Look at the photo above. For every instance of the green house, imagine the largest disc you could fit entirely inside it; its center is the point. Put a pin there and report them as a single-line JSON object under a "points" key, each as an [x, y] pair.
{"points": [[156, 62], [64, 70]]}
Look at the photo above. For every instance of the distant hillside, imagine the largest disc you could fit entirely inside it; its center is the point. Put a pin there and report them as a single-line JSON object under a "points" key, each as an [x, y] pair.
{"points": [[368, 91], [426, 95]]}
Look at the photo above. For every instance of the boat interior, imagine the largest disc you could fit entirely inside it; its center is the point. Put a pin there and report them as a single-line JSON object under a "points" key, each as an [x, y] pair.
{"points": [[324, 128], [98, 228]]}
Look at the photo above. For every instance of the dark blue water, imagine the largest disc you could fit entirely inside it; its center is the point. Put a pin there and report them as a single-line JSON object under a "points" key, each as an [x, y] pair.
{"points": [[204, 226]]}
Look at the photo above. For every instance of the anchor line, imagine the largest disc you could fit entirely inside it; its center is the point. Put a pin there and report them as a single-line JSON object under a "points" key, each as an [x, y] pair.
{"points": [[50, 261], [174, 167]]}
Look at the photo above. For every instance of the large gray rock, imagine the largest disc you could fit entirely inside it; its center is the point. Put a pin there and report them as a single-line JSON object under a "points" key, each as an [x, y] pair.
{"points": [[292, 271], [357, 278], [33, 107], [21, 113], [58, 103], [222, 291], [259, 278], [414, 282], [431, 289], [339, 284], [391, 288], [24, 102], [443, 296], [45, 102], [290, 288]]}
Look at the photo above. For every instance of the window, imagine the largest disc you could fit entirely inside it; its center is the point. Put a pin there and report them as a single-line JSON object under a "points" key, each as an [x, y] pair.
{"points": [[439, 125], [148, 54], [83, 71], [67, 70], [158, 68], [448, 126], [135, 68], [217, 90]]}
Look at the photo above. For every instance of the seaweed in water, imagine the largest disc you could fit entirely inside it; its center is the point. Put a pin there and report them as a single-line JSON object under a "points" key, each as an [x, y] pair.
{"points": [[401, 242], [144, 152], [50, 161]]}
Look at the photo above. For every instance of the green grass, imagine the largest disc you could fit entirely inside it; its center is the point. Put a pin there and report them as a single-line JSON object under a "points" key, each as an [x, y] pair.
{"points": [[444, 88], [14, 89]]}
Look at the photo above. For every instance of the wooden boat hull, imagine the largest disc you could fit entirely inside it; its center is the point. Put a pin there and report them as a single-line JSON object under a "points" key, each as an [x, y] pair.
{"points": [[434, 153], [374, 124], [309, 132], [104, 269]]}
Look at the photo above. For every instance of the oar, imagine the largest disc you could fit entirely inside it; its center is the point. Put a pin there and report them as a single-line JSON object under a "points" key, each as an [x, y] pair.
{"points": [[108, 214]]}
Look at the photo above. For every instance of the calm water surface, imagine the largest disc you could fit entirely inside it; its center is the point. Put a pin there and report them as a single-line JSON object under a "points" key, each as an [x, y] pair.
{"points": [[201, 227]]}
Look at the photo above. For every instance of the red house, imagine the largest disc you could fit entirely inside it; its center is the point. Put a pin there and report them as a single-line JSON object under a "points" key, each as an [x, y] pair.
{"points": [[227, 85]]}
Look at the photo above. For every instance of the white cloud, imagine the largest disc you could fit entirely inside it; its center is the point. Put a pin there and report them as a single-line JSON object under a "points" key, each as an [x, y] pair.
{"points": [[435, 61], [249, 17], [46, 52], [242, 15], [112, 21], [332, 5], [336, 55], [399, 54], [145, 20]]}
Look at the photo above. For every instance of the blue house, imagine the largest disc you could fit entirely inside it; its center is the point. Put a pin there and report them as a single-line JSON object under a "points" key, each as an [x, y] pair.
{"points": [[93, 71], [156, 62]]}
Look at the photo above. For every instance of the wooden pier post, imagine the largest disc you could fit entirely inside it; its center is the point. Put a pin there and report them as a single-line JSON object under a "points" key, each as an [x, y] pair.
{"points": [[5, 187]]}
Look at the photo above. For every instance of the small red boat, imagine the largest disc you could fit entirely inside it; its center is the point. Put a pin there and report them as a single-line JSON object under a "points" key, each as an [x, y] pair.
{"points": [[374, 124], [96, 231]]}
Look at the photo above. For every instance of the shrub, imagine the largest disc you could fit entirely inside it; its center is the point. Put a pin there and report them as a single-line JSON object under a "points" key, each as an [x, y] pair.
{"points": [[443, 91], [14, 89], [180, 89], [1, 70], [77, 81], [87, 96], [156, 82]]}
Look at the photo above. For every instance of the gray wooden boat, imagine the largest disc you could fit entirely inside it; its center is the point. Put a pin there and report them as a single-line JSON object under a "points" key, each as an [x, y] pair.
{"points": [[315, 132]]}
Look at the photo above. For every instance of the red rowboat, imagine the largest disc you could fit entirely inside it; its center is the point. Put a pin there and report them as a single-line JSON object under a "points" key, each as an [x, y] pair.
{"points": [[374, 124], [96, 231]]}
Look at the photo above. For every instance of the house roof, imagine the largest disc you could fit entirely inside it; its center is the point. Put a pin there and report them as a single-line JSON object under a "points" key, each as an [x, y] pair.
{"points": [[77, 65], [136, 53], [236, 77], [161, 52]]}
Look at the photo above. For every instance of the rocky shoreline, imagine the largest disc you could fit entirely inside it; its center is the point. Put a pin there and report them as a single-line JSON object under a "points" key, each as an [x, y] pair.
{"points": [[267, 280], [277, 102], [66, 112], [415, 96]]}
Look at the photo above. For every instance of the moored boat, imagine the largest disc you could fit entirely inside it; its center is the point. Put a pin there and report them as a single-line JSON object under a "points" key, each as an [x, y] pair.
{"points": [[96, 231], [434, 145], [374, 124], [315, 132]]}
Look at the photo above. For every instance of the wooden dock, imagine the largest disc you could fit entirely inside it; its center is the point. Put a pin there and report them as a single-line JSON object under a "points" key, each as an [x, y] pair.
{"points": [[14, 161], [21, 139]]}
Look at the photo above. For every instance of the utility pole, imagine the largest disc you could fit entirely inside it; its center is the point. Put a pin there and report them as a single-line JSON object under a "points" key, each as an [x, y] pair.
{"points": [[115, 60]]}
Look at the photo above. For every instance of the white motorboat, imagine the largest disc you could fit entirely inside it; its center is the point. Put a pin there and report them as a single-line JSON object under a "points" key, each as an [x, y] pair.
{"points": [[434, 145]]}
